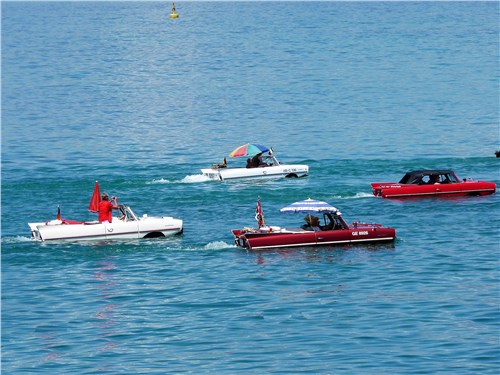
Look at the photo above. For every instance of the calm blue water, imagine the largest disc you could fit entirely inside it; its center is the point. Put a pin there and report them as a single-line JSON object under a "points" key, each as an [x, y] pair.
{"points": [[362, 92]]}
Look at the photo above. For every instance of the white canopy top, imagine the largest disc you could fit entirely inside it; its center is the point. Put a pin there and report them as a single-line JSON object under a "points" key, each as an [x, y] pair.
{"points": [[310, 205]]}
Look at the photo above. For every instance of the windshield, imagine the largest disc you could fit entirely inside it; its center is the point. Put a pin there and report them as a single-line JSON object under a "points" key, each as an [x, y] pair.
{"points": [[429, 177], [125, 213]]}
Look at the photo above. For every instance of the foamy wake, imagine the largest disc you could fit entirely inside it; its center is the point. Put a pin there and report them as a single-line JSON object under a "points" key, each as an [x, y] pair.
{"points": [[159, 181], [17, 239], [186, 180], [356, 196], [195, 178], [218, 245]]}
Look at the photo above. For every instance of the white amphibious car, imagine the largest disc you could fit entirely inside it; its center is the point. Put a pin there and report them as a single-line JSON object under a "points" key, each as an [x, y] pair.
{"points": [[269, 168], [127, 226]]}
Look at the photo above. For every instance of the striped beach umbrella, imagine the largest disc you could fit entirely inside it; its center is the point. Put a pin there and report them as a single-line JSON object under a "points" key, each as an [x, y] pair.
{"points": [[309, 205], [250, 149]]}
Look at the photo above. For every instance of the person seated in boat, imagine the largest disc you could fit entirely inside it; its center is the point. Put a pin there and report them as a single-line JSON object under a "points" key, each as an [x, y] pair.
{"points": [[434, 179], [312, 223], [446, 180], [106, 208], [429, 180], [219, 166], [257, 161], [331, 223], [249, 163]]}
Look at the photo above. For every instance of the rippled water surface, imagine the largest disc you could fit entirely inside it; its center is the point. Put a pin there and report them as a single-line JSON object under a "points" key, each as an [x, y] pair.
{"points": [[361, 92]]}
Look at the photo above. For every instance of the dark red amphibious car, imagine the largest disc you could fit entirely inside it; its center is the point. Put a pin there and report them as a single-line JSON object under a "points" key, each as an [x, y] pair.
{"points": [[335, 230]]}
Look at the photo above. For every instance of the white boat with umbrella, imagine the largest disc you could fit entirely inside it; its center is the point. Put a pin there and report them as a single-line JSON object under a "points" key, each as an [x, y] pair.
{"points": [[261, 162], [125, 226]]}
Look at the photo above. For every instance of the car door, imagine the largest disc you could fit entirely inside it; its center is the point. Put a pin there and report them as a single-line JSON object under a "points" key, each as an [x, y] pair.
{"points": [[121, 229], [335, 236]]}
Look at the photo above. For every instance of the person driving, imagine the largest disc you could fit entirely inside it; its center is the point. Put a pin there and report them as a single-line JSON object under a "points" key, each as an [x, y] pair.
{"points": [[312, 223], [257, 161]]}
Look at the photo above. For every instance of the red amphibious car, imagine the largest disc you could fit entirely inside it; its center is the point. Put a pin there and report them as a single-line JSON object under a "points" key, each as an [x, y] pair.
{"points": [[432, 183], [334, 231]]}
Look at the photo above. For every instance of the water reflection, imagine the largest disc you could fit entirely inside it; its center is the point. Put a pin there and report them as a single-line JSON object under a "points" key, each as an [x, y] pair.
{"points": [[332, 254], [107, 315]]}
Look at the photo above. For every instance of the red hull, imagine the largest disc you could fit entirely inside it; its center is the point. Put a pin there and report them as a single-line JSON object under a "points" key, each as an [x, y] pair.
{"points": [[466, 188], [362, 233]]}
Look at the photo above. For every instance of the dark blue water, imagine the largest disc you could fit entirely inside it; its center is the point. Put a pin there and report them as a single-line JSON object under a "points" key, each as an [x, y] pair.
{"points": [[361, 92]]}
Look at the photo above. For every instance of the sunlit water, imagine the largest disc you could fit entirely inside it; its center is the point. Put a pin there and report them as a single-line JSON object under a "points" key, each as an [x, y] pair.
{"points": [[361, 92]]}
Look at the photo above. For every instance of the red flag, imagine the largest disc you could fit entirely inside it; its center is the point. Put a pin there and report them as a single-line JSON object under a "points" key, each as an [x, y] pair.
{"points": [[96, 199], [58, 212], [259, 215]]}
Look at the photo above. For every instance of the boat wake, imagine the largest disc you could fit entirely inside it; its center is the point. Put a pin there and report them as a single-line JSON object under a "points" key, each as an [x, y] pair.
{"points": [[355, 196], [218, 245], [195, 178], [158, 181], [17, 239]]}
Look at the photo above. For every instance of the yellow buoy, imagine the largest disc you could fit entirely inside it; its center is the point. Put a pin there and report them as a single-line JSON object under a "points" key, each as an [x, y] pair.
{"points": [[173, 14]]}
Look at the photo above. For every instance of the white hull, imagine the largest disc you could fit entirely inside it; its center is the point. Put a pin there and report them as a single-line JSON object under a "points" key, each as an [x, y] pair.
{"points": [[277, 171], [129, 228]]}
